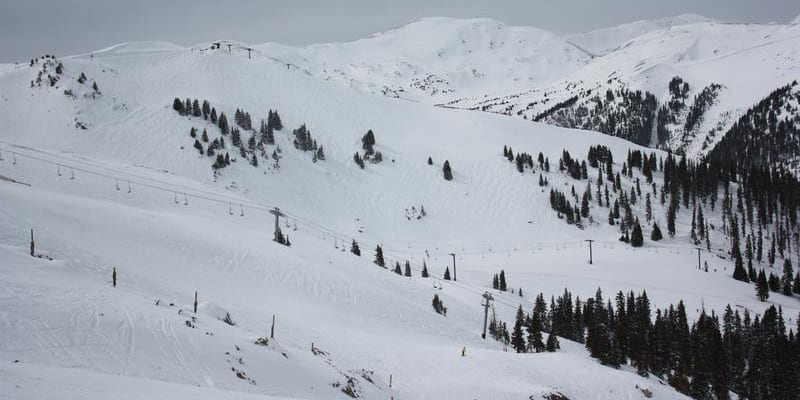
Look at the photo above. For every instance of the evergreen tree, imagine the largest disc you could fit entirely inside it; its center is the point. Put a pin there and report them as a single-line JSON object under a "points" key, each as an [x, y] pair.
{"points": [[517, 339], [637, 239], [438, 306], [774, 282], [430, 161], [502, 281], [671, 214], [585, 204], [397, 269], [448, 173], [379, 257], [762, 286], [655, 235], [198, 146], [196, 108], [355, 249], [786, 280], [408, 269], [223, 124], [424, 269], [796, 290], [535, 340], [206, 109], [739, 273], [177, 105], [447, 273], [358, 160]]}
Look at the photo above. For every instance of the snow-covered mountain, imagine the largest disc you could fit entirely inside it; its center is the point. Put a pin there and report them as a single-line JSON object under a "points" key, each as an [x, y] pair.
{"points": [[485, 65], [606, 40], [440, 58], [108, 158]]}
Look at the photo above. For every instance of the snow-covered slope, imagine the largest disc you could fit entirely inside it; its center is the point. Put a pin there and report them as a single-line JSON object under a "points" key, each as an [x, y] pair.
{"points": [[116, 184], [602, 41], [437, 59], [747, 61], [482, 64]]}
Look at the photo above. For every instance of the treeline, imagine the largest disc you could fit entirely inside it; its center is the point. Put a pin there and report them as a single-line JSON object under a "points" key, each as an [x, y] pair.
{"points": [[768, 135], [755, 357], [629, 114]]}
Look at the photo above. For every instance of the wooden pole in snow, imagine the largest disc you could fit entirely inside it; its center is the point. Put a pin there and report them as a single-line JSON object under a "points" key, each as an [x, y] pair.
{"points": [[195, 302], [272, 330], [32, 244]]}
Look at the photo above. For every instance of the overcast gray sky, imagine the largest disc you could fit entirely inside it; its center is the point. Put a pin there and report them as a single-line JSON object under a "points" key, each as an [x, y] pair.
{"points": [[30, 28]]}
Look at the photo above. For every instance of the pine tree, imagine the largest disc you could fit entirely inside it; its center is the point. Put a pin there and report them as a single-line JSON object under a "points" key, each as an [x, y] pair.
{"points": [[206, 109], [198, 146], [223, 124], [358, 160], [501, 283], [447, 273], [787, 278], [585, 204], [438, 306], [424, 269], [774, 282], [430, 161], [671, 214], [739, 273], [408, 269], [762, 286], [177, 105], [379, 257], [448, 173], [397, 269], [655, 235], [355, 249], [517, 339], [637, 239], [535, 340], [196, 108]]}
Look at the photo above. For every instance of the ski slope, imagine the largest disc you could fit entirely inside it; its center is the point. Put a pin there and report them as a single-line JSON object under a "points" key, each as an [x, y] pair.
{"points": [[179, 230]]}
